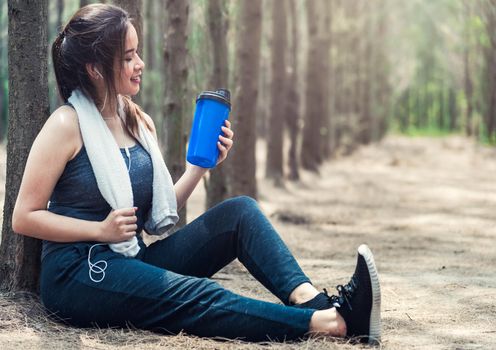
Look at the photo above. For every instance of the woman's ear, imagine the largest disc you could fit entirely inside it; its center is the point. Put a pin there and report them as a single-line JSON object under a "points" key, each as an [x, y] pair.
{"points": [[93, 71]]}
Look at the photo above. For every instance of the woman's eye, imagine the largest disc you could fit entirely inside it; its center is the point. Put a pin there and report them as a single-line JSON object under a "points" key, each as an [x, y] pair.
{"points": [[129, 59]]}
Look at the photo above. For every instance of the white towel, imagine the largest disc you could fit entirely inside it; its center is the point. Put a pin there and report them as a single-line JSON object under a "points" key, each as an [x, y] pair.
{"points": [[113, 178]]}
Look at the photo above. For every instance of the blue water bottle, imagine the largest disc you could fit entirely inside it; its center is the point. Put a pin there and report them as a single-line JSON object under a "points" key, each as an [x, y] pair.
{"points": [[212, 109]]}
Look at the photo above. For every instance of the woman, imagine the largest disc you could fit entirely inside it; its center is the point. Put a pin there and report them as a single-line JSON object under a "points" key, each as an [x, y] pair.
{"points": [[164, 287]]}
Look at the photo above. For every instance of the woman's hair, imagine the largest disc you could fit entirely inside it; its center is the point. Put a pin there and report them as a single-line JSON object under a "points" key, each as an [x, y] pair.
{"points": [[96, 34]]}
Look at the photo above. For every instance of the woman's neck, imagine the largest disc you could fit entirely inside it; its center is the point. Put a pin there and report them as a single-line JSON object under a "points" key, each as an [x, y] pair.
{"points": [[109, 110]]}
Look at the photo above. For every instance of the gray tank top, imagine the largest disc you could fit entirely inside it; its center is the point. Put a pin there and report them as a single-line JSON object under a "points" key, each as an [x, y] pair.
{"points": [[76, 193]]}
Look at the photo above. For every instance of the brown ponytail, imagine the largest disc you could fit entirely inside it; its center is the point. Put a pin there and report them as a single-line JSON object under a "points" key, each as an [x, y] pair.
{"points": [[133, 113]]}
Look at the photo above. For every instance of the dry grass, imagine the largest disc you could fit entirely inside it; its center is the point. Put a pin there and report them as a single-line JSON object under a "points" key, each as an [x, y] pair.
{"points": [[25, 324], [425, 206]]}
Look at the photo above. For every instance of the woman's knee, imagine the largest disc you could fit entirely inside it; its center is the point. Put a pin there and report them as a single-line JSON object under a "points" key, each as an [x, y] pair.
{"points": [[242, 203]]}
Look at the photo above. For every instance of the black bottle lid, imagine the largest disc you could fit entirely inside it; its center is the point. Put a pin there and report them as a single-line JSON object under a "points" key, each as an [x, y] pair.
{"points": [[221, 95]]}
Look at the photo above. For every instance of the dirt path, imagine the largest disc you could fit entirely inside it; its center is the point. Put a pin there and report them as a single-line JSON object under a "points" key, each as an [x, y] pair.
{"points": [[426, 207]]}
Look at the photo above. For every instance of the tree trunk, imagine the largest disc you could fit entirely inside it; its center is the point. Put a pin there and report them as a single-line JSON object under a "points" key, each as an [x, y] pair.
{"points": [[468, 93], [243, 165], [490, 62], [292, 99], [325, 38], [442, 109], [217, 25], [28, 110], [382, 91], [366, 120], [453, 112], [311, 144], [60, 12], [176, 74], [147, 96], [274, 170], [3, 107]]}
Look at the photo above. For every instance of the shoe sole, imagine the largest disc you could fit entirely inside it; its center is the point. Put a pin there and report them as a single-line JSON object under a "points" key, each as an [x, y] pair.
{"points": [[375, 314]]}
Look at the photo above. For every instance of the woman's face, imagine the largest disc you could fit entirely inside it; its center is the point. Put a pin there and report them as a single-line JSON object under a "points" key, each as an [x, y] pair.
{"points": [[131, 65]]}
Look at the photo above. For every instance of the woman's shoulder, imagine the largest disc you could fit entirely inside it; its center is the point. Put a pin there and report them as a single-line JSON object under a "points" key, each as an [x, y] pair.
{"points": [[65, 117], [64, 122]]}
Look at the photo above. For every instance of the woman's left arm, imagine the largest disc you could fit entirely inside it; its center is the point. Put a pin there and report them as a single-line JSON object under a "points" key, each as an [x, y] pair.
{"points": [[193, 174]]}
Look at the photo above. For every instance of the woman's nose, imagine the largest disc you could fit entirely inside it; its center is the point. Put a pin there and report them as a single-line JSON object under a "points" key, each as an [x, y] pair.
{"points": [[140, 63]]}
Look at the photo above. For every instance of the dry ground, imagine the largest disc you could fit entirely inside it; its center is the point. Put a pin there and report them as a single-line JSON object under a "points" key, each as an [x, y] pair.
{"points": [[425, 206]]}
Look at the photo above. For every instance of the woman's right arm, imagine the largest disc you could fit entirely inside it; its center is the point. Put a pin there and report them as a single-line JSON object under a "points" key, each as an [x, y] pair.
{"points": [[54, 146]]}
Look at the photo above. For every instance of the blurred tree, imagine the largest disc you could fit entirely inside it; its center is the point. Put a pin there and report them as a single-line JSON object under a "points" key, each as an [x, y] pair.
{"points": [[365, 130], [265, 73], [217, 25], [60, 13], [172, 131], [149, 48], [468, 85], [274, 162], [3, 78], [325, 68], [310, 155], [381, 95], [292, 98], [29, 109], [242, 180], [490, 62]]}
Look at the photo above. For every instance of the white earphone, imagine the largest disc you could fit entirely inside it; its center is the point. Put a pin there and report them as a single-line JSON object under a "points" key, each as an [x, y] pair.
{"points": [[98, 72]]}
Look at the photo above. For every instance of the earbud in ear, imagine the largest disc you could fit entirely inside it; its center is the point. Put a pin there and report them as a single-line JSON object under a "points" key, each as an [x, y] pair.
{"points": [[98, 72]]}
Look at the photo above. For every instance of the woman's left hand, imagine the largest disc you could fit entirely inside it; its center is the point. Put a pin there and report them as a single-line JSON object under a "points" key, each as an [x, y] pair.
{"points": [[225, 142]]}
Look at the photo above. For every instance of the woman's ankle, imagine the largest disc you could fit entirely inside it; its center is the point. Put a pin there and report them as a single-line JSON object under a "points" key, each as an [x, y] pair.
{"points": [[303, 293], [327, 322]]}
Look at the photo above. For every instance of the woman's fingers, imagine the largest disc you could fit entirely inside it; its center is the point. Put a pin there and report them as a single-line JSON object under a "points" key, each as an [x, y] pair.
{"points": [[228, 132], [227, 142], [130, 228]]}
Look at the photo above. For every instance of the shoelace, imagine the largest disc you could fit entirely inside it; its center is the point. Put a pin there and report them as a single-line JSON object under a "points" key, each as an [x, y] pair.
{"points": [[345, 293]]}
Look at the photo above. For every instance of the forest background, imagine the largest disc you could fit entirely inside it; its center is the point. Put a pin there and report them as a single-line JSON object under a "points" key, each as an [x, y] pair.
{"points": [[313, 83]]}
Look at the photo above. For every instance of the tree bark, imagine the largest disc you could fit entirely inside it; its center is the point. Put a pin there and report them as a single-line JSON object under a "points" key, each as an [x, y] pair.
{"points": [[28, 110], [274, 163], [292, 97], [217, 25], [3, 108], [489, 8], [60, 12], [310, 156], [176, 74], [243, 164], [148, 95], [366, 120], [325, 38], [468, 93]]}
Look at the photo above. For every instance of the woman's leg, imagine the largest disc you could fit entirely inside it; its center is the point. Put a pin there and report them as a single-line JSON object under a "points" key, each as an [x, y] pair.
{"points": [[235, 228], [149, 297]]}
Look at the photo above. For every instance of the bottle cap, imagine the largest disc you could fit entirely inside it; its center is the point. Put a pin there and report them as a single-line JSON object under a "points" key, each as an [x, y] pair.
{"points": [[220, 95]]}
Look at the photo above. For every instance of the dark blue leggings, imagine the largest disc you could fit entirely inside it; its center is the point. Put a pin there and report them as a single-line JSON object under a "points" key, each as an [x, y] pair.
{"points": [[166, 287]]}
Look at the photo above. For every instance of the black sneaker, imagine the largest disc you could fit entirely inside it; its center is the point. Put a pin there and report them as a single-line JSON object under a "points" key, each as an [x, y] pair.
{"points": [[359, 301]]}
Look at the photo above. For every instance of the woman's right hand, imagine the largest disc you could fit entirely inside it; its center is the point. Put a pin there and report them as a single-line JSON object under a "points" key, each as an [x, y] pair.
{"points": [[120, 225]]}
